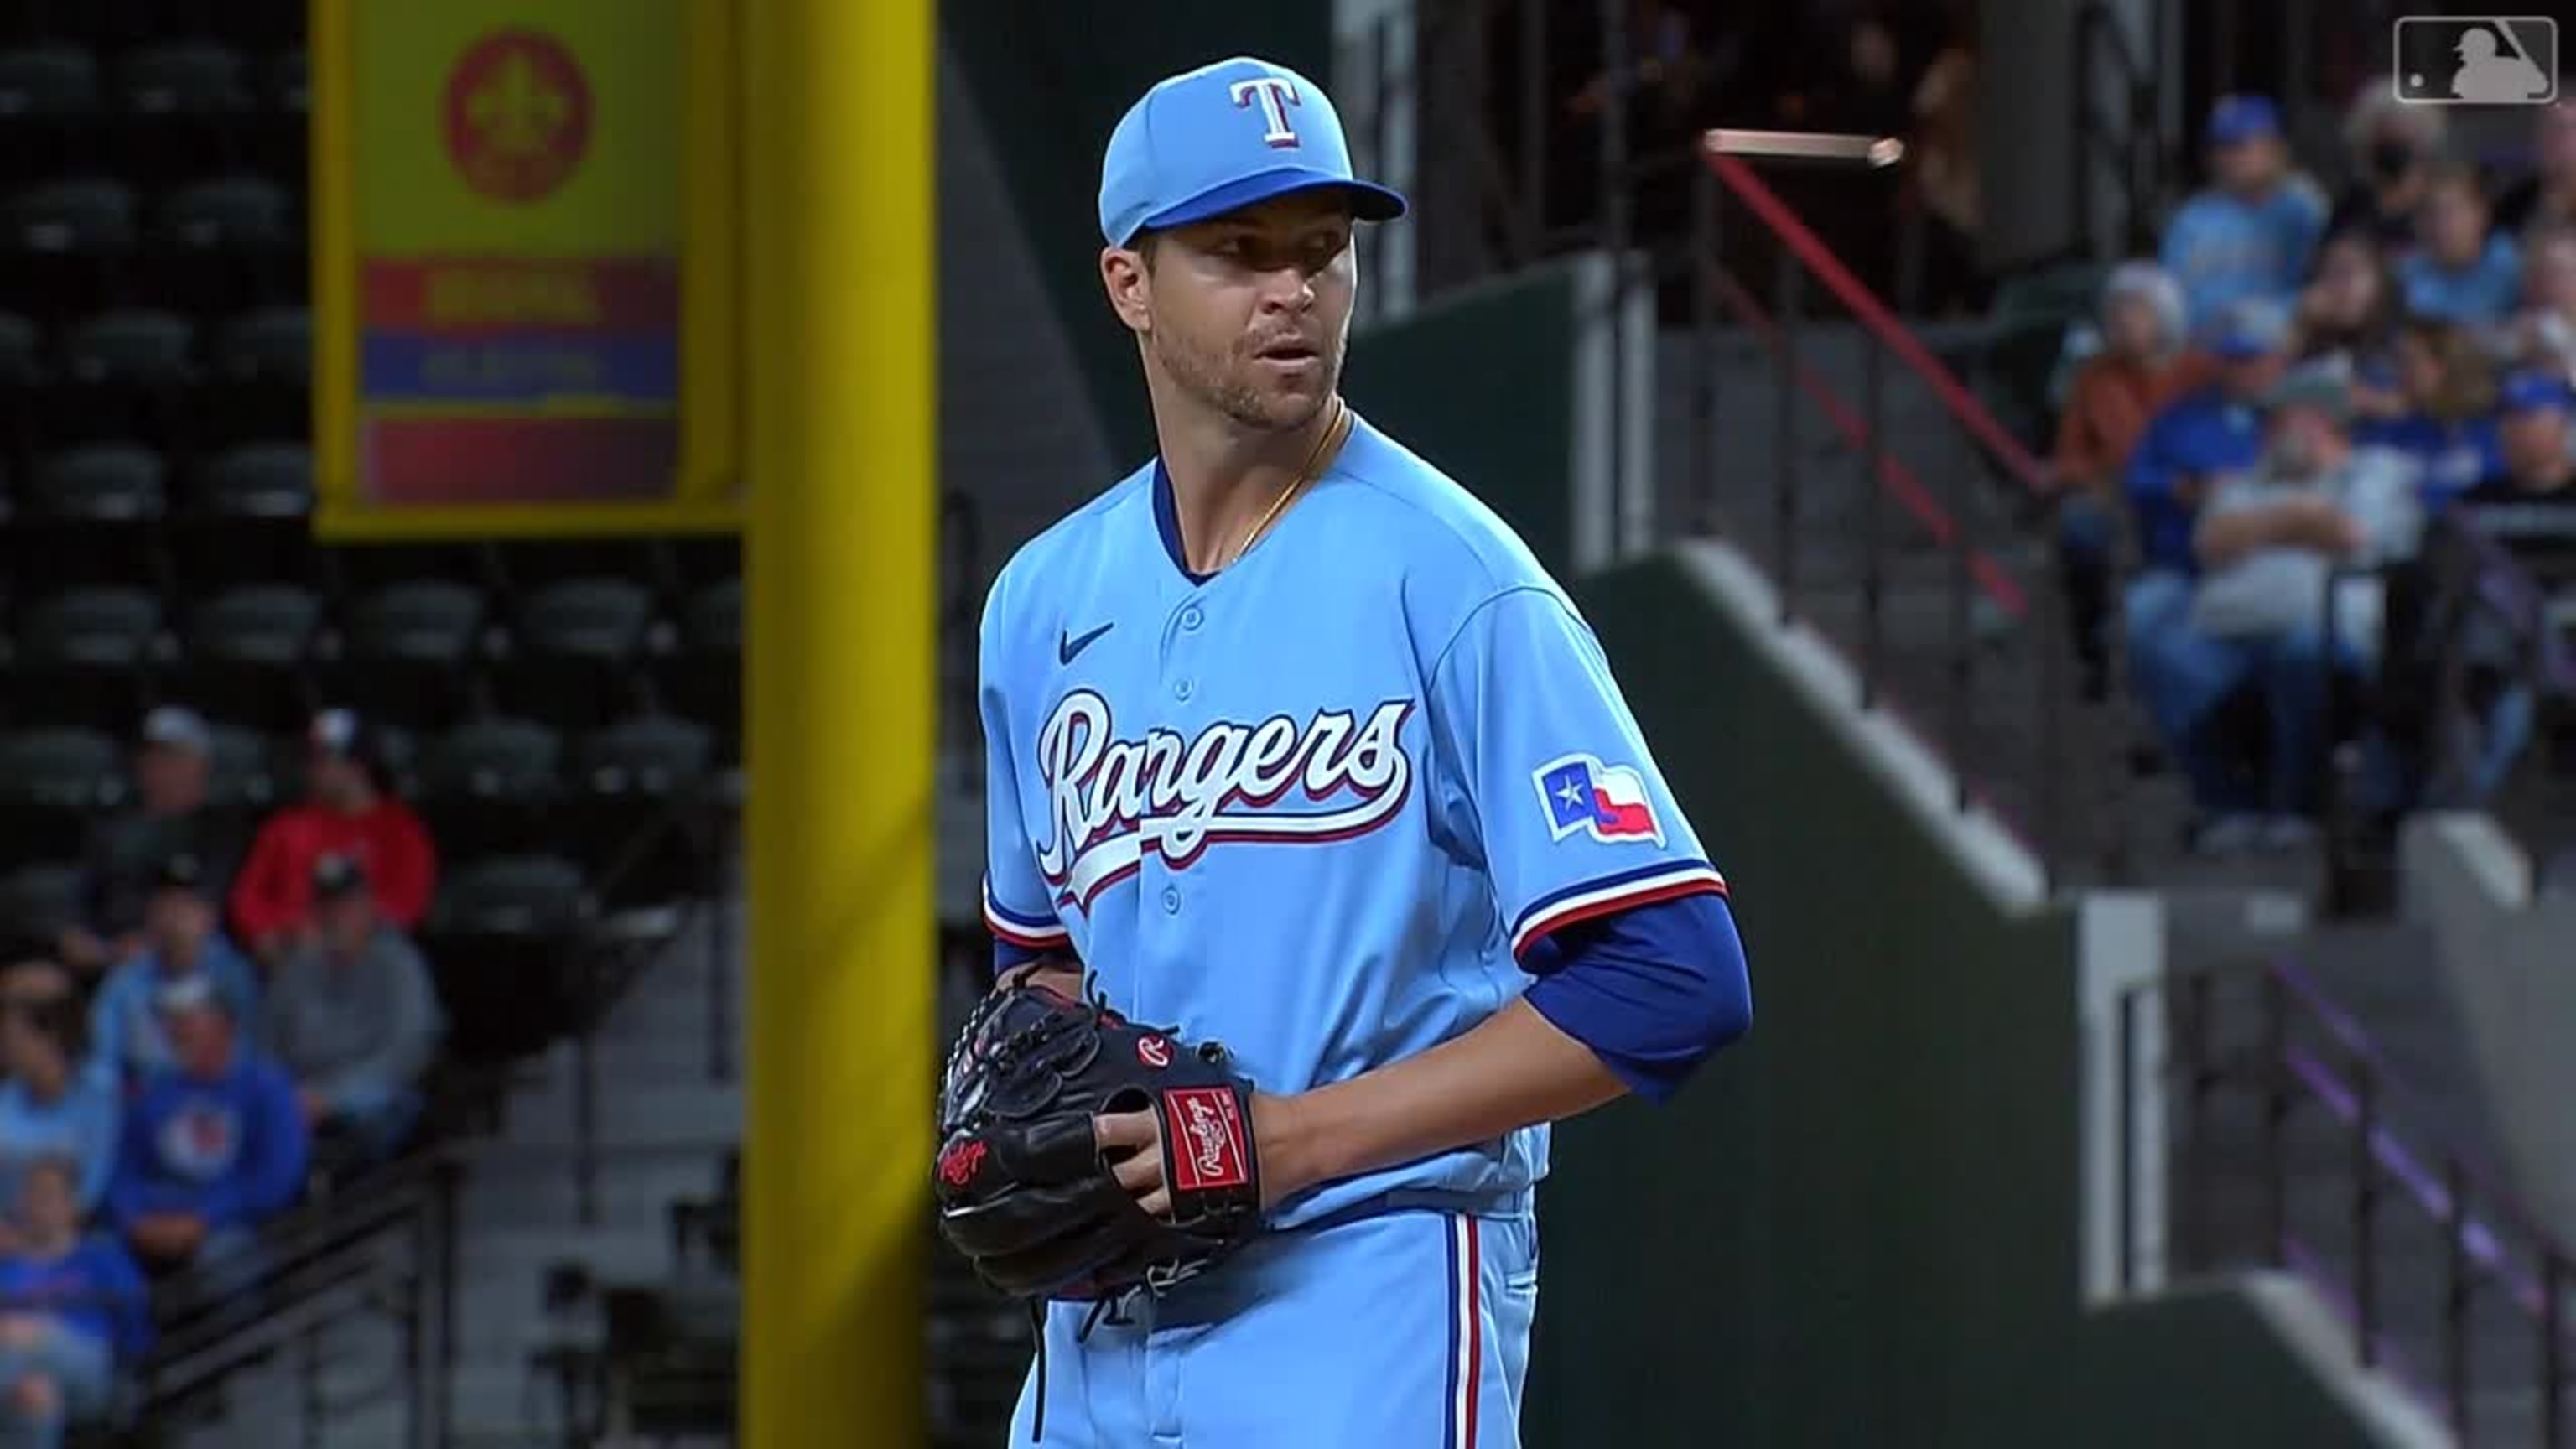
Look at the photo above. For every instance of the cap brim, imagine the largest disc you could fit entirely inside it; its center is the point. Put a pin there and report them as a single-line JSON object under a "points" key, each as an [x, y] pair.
{"points": [[1369, 201]]}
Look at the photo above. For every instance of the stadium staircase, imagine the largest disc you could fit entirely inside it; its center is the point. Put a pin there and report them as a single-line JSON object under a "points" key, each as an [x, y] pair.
{"points": [[1936, 578]]}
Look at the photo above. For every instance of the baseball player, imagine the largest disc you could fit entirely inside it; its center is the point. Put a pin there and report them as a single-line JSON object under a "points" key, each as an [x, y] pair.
{"points": [[1293, 743]]}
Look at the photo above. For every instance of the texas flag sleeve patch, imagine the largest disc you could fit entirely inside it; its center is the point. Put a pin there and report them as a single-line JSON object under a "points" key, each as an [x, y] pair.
{"points": [[1607, 802]]}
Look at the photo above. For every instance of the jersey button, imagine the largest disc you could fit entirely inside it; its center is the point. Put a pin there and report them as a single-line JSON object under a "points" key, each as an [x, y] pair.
{"points": [[1190, 617], [1183, 690], [1171, 901]]}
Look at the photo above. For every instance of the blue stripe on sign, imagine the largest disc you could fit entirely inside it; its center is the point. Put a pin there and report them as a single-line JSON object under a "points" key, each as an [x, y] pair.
{"points": [[522, 368], [1457, 1311]]}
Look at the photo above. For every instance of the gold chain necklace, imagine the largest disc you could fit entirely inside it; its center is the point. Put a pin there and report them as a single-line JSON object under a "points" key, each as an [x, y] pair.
{"points": [[1305, 474]]}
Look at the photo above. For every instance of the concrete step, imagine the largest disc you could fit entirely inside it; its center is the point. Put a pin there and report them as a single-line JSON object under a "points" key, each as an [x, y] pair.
{"points": [[626, 1113], [633, 1191]]}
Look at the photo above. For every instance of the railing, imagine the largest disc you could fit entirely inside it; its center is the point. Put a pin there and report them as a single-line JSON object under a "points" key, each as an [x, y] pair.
{"points": [[1867, 577], [2299, 1148], [388, 1249], [1905, 547]]}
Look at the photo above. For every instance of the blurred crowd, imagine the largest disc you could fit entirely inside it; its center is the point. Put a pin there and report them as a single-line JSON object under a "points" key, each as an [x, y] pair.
{"points": [[237, 1014], [2314, 465]]}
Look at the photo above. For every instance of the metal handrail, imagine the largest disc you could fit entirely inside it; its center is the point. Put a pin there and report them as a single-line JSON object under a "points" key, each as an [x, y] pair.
{"points": [[2303, 1052]]}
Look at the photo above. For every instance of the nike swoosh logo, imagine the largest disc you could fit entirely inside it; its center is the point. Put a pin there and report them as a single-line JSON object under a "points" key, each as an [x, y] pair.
{"points": [[1070, 646]]}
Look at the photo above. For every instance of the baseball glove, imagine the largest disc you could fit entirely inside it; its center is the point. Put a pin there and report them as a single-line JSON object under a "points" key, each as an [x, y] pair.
{"points": [[1022, 1187]]}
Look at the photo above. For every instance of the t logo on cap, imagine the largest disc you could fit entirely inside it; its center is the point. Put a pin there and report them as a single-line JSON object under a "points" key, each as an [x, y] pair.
{"points": [[1275, 94]]}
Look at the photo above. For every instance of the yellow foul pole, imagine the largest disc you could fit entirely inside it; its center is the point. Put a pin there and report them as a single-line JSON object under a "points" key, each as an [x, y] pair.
{"points": [[838, 290]]}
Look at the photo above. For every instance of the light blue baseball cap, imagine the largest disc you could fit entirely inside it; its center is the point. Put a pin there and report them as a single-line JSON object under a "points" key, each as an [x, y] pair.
{"points": [[1223, 137]]}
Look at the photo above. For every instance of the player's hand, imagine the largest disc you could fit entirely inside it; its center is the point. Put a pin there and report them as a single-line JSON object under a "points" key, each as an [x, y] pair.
{"points": [[1133, 1144]]}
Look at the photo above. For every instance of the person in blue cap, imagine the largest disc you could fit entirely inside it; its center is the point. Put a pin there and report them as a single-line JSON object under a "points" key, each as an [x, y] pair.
{"points": [[1293, 746], [2253, 231]]}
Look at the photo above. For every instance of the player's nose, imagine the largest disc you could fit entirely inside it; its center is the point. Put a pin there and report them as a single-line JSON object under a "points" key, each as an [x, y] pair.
{"points": [[1287, 289]]}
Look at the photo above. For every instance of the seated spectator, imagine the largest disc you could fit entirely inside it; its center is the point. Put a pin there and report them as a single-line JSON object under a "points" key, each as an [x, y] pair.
{"points": [[2270, 542], [172, 815], [2543, 334], [353, 1016], [2440, 411], [212, 1146], [2251, 234], [2204, 433], [2391, 148], [2142, 367], [49, 1105], [2347, 317], [182, 939], [347, 811], [72, 1306], [2547, 197], [2462, 270], [2434, 750]]}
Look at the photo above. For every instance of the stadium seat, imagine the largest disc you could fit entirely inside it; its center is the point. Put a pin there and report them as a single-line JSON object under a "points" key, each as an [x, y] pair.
{"points": [[51, 782], [702, 680], [37, 903], [411, 651], [501, 939], [182, 106], [263, 364], [68, 243], [488, 787], [89, 515], [85, 656], [527, 567], [573, 650], [99, 483], [246, 655], [626, 820], [242, 517], [49, 95], [124, 375], [21, 350], [290, 81], [187, 78], [244, 770], [221, 241]]}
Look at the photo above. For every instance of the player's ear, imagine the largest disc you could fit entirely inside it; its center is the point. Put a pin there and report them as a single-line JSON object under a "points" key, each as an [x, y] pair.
{"points": [[1130, 285]]}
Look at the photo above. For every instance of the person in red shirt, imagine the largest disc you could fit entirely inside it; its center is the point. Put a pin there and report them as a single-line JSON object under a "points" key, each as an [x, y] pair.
{"points": [[347, 811]]}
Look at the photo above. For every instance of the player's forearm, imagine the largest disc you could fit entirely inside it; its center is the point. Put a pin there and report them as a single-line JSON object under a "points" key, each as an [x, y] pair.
{"points": [[1513, 1071]]}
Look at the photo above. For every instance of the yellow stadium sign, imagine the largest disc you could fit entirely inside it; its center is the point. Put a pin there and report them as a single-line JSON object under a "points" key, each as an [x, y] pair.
{"points": [[523, 251]]}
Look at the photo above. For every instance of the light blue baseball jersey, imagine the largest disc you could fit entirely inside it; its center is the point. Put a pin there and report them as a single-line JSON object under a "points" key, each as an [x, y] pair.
{"points": [[1312, 806]]}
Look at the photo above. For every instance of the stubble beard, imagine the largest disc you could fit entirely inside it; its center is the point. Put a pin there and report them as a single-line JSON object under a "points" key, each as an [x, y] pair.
{"points": [[1226, 384]]}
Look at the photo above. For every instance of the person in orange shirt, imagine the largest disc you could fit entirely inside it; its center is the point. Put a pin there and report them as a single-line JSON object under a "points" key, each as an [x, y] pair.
{"points": [[349, 812], [2142, 366]]}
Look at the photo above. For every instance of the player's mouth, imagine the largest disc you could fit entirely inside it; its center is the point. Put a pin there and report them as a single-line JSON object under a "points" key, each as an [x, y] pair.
{"points": [[1291, 356]]}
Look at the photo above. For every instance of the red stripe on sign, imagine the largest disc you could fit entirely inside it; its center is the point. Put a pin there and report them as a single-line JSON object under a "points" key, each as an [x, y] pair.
{"points": [[433, 462], [496, 296], [1204, 1142]]}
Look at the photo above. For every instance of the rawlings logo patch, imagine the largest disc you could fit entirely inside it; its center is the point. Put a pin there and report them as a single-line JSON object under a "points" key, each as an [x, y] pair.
{"points": [[1208, 1140], [961, 1161], [1154, 1052]]}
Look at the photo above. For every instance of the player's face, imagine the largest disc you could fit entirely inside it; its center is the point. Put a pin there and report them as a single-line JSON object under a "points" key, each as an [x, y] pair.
{"points": [[1248, 313]]}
